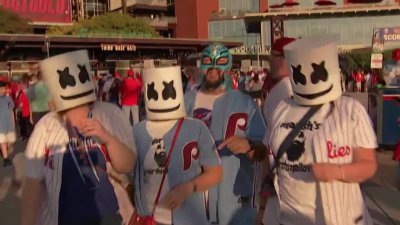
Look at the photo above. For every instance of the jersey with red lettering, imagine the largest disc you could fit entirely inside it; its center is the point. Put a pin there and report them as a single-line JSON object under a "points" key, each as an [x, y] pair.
{"points": [[330, 136], [232, 113]]}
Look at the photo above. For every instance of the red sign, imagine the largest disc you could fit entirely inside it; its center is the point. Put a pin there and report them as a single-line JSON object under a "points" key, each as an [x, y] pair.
{"points": [[41, 11]]}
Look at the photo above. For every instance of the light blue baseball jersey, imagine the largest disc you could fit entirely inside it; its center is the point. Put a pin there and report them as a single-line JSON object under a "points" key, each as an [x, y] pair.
{"points": [[6, 111], [194, 148], [233, 114]]}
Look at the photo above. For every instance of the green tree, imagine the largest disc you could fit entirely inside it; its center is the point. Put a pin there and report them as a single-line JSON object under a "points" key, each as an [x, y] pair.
{"points": [[12, 23], [110, 24]]}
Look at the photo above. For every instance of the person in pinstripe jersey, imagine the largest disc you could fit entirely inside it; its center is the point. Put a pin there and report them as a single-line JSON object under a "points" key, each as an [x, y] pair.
{"points": [[66, 156], [318, 177]]}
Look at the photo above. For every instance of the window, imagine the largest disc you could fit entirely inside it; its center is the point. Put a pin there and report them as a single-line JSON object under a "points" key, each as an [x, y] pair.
{"points": [[255, 7], [217, 31], [222, 4], [230, 28], [94, 8]]}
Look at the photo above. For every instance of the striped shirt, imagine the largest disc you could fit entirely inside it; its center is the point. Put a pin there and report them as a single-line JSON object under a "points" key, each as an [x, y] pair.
{"points": [[330, 136], [47, 146]]}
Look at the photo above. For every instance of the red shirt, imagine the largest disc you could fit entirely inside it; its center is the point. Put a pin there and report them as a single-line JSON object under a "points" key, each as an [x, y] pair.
{"points": [[130, 90], [13, 91], [359, 77], [24, 104]]}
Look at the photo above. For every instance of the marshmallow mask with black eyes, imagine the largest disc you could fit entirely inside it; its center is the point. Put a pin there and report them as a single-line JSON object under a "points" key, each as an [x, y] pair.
{"points": [[315, 72], [68, 80], [163, 93]]}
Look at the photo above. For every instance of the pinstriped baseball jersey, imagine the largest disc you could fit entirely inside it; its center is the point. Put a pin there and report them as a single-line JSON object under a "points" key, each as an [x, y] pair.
{"points": [[194, 147], [330, 136], [233, 114], [46, 150]]}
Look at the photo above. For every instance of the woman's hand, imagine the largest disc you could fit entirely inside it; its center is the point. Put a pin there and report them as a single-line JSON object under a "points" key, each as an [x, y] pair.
{"points": [[92, 127], [176, 197]]}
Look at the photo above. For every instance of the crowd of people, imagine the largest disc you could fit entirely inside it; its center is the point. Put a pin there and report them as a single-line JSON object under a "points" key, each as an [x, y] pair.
{"points": [[282, 146], [361, 81]]}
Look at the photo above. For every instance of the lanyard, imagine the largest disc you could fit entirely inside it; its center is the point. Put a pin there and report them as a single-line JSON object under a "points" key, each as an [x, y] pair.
{"points": [[73, 146]]}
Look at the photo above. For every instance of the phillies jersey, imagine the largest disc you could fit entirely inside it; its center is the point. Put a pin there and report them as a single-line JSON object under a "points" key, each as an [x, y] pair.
{"points": [[74, 190], [330, 136], [233, 114], [194, 148]]}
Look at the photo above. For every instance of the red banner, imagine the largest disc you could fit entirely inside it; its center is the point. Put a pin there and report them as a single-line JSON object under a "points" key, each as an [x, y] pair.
{"points": [[41, 11]]}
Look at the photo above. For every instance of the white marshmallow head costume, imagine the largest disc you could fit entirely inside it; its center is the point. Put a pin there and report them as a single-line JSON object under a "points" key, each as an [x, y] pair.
{"points": [[68, 79], [163, 93], [314, 66]]}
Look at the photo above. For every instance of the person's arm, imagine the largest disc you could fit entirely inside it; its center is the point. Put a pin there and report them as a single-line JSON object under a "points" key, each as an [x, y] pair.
{"points": [[210, 177], [362, 168], [33, 191], [363, 165], [251, 145], [30, 116], [117, 138], [31, 201], [121, 156]]}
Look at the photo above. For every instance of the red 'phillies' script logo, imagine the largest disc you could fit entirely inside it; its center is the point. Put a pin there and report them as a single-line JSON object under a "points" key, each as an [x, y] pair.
{"points": [[190, 151], [48, 158], [236, 121], [335, 152]]}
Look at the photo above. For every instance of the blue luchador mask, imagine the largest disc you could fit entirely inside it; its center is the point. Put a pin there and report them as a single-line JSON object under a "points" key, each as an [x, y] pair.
{"points": [[216, 56]]}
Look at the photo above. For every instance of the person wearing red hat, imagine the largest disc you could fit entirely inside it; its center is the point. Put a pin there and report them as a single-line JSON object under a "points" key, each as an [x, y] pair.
{"points": [[277, 87], [130, 95]]}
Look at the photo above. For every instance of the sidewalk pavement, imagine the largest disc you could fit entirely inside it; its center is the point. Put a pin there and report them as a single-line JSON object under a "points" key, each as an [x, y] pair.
{"points": [[381, 195]]}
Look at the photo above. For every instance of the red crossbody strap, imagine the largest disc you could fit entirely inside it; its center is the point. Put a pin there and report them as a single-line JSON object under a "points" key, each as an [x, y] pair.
{"points": [[168, 159]]}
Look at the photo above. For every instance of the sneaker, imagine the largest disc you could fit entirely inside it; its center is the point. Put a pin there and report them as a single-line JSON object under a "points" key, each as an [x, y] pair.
{"points": [[7, 162]]}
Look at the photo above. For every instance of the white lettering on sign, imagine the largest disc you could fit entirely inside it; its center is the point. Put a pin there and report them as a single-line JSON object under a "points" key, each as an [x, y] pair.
{"points": [[252, 49], [118, 47], [391, 37]]}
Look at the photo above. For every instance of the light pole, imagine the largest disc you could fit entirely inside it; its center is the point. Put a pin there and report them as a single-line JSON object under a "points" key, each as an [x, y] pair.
{"points": [[47, 45]]}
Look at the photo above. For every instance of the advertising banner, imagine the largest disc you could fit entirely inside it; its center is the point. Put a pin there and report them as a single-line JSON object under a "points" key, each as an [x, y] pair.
{"points": [[388, 34], [41, 11]]}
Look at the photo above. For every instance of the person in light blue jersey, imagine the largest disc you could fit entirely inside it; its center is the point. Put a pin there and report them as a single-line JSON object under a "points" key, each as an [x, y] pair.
{"points": [[238, 127], [193, 166]]}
